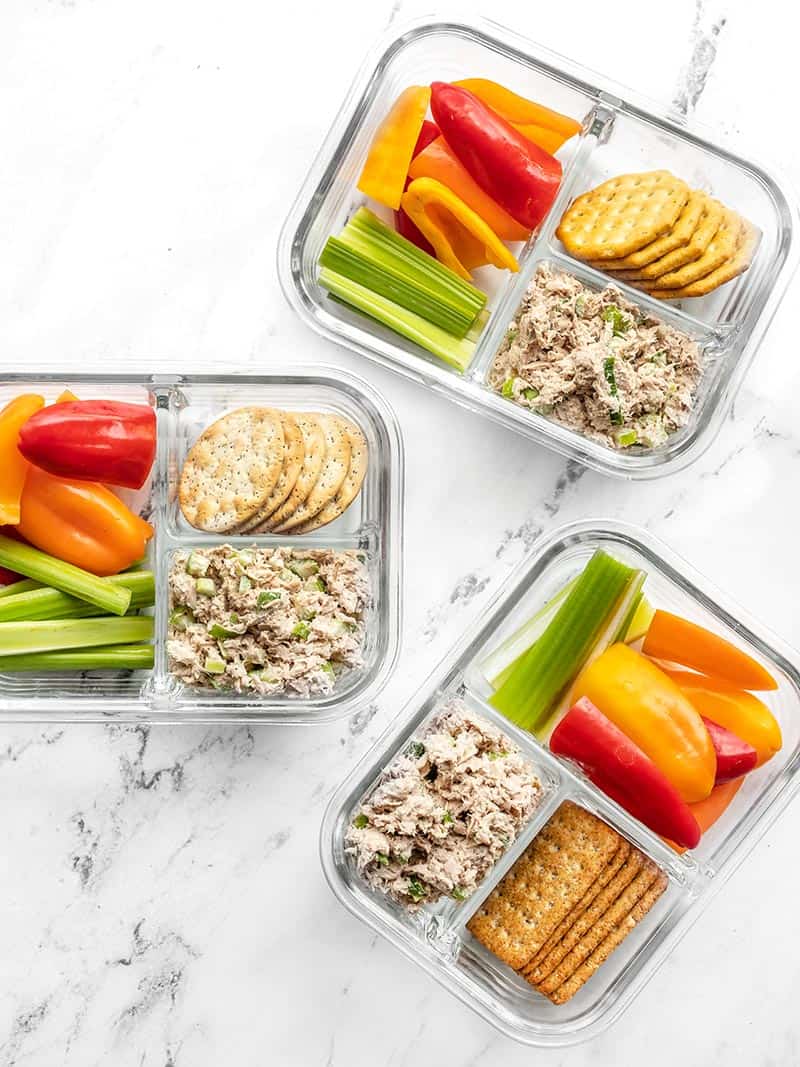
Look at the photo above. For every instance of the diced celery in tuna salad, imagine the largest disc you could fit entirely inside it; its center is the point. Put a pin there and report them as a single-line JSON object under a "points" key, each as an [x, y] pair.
{"points": [[596, 363]]}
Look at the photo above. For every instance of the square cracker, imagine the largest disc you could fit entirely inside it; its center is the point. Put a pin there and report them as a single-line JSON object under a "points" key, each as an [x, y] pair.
{"points": [[612, 941], [601, 928], [547, 881], [732, 268], [622, 215], [707, 228], [538, 969], [680, 235], [617, 861]]}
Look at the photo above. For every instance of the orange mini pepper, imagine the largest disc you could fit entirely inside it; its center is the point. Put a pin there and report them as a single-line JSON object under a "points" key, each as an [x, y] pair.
{"points": [[518, 110], [708, 811], [384, 174], [738, 711], [549, 140], [82, 523], [437, 161], [13, 464], [650, 708], [460, 237], [677, 640]]}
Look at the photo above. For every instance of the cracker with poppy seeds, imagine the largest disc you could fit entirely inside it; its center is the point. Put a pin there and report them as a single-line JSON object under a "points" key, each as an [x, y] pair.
{"points": [[350, 487], [315, 449], [231, 469], [332, 474], [610, 943], [554, 873], [599, 929], [616, 862], [292, 465], [622, 215]]}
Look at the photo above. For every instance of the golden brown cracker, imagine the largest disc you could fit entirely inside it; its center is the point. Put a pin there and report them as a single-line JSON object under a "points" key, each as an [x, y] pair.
{"points": [[600, 928], [721, 248], [617, 861], [730, 269], [612, 941], [231, 469], [698, 243], [552, 875], [675, 238], [622, 215], [536, 972]]}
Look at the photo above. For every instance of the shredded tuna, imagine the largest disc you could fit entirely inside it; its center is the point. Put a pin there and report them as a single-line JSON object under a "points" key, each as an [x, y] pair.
{"points": [[596, 363], [444, 810], [271, 621]]}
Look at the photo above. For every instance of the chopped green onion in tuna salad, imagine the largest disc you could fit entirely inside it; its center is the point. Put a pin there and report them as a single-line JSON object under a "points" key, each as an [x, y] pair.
{"points": [[595, 363]]}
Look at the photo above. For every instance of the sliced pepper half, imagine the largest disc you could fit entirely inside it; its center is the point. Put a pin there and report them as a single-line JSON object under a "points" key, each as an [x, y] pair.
{"points": [[384, 174], [518, 110], [460, 237]]}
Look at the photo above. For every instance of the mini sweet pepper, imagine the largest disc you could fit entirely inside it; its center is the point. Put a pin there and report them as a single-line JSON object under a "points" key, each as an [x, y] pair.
{"points": [[460, 237], [83, 523], [384, 174], [653, 712], [12, 463]]}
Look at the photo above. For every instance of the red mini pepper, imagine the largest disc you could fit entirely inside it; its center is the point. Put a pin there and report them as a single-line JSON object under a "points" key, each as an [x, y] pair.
{"points": [[616, 765], [734, 756], [512, 170], [402, 223], [92, 440]]}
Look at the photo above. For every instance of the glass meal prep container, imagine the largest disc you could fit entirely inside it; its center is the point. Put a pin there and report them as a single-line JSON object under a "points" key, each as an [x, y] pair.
{"points": [[620, 135], [436, 936], [185, 405]]}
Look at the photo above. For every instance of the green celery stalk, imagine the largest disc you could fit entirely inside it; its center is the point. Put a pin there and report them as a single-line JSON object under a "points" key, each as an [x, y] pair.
{"points": [[368, 265], [458, 353], [613, 631], [24, 559], [48, 603], [23, 586], [114, 657], [539, 677], [366, 225], [497, 666], [51, 634]]}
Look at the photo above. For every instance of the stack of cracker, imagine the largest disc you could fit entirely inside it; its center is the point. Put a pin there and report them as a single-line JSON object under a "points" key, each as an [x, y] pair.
{"points": [[259, 470], [655, 233], [569, 901]]}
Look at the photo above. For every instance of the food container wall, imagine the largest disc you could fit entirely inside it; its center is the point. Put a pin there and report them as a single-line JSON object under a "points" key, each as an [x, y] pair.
{"points": [[436, 937], [372, 525], [620, 134]]}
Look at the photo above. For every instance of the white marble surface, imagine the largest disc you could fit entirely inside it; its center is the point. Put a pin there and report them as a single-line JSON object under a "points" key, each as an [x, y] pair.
{"points": [[163, 901]]}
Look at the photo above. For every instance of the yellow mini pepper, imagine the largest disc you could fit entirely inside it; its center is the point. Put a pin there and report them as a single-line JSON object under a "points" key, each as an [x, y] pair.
{"points": [[384, 174], [14, 465], [650, 708], [460, 237]]}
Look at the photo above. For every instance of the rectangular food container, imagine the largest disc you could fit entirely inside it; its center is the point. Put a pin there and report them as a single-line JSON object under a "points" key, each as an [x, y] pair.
{"points": [[620, 135], [436, 936], [185, 405]]}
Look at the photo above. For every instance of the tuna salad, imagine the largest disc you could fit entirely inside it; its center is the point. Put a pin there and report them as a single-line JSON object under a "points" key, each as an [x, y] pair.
{"points": [[266, 620], [444, 811], [597, 363]]}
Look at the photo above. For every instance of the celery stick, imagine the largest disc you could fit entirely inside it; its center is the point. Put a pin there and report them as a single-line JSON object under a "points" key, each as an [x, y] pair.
{"points": [[48, 603], [497, 666], [540, 676], [23, 586], [44, 635], [613, 631], [458, 353], [24, 559], [112, 658]]}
